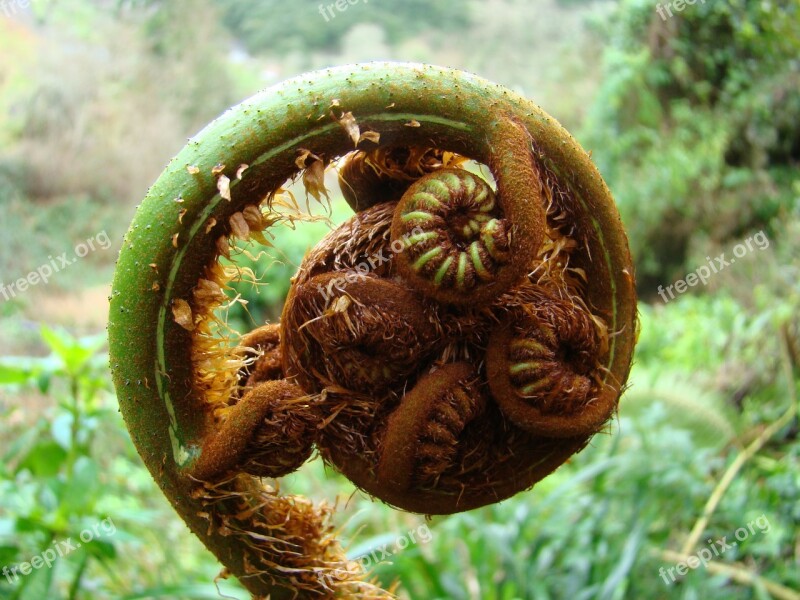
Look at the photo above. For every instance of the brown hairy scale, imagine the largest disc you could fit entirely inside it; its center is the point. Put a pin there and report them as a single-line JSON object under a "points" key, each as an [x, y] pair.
{"points": [[302, 544], [542, 367], [233, 443], [403, 378], [262, 346], [363, 237], [284, 439], [354, 330]]}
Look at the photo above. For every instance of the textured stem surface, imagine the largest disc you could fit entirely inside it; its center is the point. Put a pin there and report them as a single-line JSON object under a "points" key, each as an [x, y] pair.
{"points": [[183, 224]]}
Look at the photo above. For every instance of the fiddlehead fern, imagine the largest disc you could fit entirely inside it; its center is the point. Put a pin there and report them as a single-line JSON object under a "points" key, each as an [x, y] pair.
{"points": [[422, 436], [447, 347], [355, 331]]}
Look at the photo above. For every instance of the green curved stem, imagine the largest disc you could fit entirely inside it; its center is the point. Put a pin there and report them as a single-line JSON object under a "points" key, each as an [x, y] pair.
{"points": [[150, 353]]}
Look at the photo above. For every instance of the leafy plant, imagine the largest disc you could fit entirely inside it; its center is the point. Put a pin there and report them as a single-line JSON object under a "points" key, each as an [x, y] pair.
{"points": [[69, 470], [690, 124], [53, 486]]}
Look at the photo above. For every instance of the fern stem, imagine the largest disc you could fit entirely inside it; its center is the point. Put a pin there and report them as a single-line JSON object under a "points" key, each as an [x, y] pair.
{"points": [[751, 450], [739, 573]]}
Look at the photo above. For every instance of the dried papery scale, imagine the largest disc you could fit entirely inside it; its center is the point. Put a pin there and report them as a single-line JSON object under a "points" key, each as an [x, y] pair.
{"points": [[215, 365], [302, 548], [369, 177], [203, 401], [262, 347]]}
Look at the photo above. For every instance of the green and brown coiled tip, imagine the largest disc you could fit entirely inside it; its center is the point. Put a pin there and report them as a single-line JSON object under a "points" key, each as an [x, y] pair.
{"points": [[464, 242], [451, 344]]}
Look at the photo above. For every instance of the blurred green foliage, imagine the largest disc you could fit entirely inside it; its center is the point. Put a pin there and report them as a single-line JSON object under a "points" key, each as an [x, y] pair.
{"points": [[70, 471], [311, 25], [695, 124]]}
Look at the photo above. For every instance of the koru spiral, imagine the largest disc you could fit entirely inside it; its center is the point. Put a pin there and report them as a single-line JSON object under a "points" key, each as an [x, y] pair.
{"points": [[463, 334]]}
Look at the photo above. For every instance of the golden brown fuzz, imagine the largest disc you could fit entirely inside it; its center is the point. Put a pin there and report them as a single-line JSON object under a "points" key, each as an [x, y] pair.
{"points": [[422, 434], [268, 433], [395, 324], [262, 345], [384, 174], [356, 331]]}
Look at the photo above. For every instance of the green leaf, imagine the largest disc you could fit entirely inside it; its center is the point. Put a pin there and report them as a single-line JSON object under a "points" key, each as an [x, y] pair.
{"points": [[192, 592], [617, 580], [101, 549], [61, 430], [22, 443], [19, 370], [12, 373], [43, 382], [74, 353], [8, 554], [37, 584], [44, 460], [79, 493]]}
